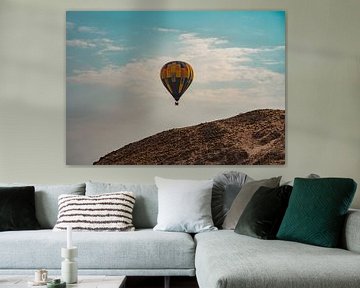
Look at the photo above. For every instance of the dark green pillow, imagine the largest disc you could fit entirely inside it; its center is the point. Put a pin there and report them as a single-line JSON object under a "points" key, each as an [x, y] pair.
{"points": [[264, 212], [316, 211], [17, 208]]}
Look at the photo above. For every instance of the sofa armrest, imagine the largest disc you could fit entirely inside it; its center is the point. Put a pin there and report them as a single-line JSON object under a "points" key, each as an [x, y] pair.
{"points": [[351, 233]]}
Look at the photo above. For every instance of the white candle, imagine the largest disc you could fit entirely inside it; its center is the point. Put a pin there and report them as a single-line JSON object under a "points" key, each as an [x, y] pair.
{"points": [[69, 239]]}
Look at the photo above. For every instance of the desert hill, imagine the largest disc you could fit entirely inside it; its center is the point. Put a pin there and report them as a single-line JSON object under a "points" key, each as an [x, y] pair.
{"points": [[252, 138]]}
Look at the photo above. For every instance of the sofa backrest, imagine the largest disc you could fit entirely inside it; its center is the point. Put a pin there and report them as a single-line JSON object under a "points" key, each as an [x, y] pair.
{"points": [[146, 203]]}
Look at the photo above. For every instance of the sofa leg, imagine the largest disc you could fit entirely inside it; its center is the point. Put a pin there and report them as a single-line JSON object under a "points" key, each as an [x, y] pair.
{"points": [[167, 282]]}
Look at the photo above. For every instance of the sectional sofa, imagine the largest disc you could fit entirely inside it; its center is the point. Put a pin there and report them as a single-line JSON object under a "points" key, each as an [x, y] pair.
{"points": [[218, 258]]}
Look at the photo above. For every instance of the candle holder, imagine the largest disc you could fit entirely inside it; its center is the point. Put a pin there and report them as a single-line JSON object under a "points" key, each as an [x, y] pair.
{"points": [[69, 266]]}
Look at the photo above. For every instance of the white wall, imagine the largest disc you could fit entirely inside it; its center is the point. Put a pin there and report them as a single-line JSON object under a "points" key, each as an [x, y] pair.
{"points": [[323, 91]]}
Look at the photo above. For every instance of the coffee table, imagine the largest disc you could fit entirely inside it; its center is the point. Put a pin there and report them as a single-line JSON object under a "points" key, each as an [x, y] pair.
{"points": [[84, 281]]}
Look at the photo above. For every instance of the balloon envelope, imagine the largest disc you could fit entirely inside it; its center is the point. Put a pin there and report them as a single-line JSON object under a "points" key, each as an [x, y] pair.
{"points": [[176, 77]]}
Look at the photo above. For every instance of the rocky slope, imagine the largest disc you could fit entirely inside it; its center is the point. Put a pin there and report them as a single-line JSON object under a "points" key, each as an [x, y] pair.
{"points": [[252, 138]]}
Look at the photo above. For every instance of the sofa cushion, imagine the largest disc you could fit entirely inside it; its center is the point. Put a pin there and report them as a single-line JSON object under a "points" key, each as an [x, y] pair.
{"points": [[184, 205], [46, 200], [138, 250], [105, 212], [225, 259], [263, 214], [225, 189], [243, 198], [17, 208], [146, 205], [317, 209]]}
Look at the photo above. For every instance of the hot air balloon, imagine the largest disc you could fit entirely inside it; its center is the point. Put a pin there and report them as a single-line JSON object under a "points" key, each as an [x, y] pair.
{"points": [[176, 77]]}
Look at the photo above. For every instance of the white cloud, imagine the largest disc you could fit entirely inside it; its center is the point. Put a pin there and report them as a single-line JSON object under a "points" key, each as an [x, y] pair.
{"points": [[276, 48], [192, 38], [137, 77], [92, 30], [271, 62], [111, 48], [220, 64], [108, 45], [222, 74], [104, 44], [231, 101], [105, 41], [166, 30], [80, 43]]}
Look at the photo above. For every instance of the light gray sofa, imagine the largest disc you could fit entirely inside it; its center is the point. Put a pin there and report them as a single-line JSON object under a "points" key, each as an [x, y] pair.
{"points": [[226, 259], [143, 252], [218, 259]]}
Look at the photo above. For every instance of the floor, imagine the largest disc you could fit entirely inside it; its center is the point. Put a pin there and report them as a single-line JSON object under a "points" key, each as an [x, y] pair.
{"points": [[158, 282]]}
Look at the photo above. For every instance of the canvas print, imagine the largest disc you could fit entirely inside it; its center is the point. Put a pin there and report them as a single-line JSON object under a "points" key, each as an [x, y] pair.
{"points": [[175, 87]]}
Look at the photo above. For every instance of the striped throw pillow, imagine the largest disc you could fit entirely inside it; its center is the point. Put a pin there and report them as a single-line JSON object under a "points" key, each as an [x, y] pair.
{"points": [[105, 212]]}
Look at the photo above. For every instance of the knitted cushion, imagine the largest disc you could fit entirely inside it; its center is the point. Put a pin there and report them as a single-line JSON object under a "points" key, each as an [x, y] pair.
{"points": [[316, 211], [105, 212]]}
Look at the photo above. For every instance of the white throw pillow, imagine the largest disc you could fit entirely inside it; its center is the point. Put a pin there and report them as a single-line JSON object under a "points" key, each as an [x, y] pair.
{"points": [[105, 212], [184, 205]]}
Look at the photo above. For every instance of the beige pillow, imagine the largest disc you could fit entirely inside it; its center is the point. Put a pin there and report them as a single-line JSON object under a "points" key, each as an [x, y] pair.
{"points": [[243, 198]]}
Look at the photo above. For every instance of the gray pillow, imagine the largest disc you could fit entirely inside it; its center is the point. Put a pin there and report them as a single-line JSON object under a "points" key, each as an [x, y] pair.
{"points": [[226, 187], [243, 198], [146, 204], [46, 200], [310, 176], [184, 205]]}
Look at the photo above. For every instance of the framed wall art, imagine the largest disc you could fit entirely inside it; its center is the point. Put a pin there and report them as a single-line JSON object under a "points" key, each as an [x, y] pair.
{"points": [[175, 87]]}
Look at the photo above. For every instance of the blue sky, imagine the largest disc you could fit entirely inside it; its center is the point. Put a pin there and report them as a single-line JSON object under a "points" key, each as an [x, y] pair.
{"points": [[113, 59]]}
